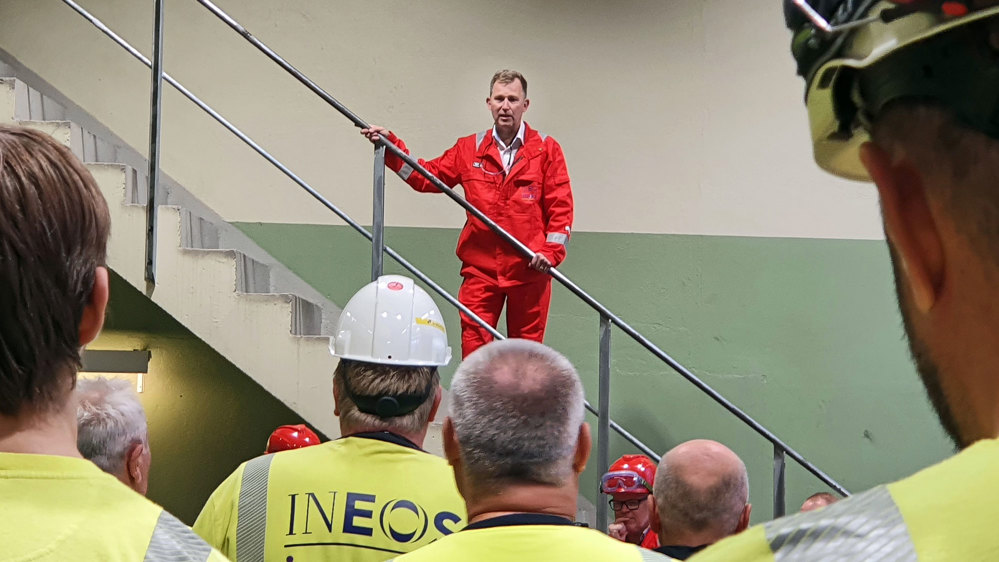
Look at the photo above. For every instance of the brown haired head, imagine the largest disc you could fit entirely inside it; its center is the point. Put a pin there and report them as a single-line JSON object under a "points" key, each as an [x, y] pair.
{"points": [[506, 77], [54, 228], [373, 379]]}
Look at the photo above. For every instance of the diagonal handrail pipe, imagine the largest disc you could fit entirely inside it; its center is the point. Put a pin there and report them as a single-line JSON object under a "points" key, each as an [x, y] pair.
{"points": [[325, 202], [527, 252]]}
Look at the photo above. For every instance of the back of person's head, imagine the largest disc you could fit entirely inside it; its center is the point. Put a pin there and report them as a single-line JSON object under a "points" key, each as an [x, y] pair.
{"points": [[818, 500], [390, 339], [701, 494], [54, 227], [374, 397], [112, 430], [517, 413]]}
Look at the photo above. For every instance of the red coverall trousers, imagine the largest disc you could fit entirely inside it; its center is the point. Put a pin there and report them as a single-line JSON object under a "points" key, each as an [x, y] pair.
{"points": [[526, 310]]}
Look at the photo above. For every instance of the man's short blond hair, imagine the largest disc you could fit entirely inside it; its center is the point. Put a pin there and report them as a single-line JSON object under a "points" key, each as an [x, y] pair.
{"points": [[372, 379], [506, 77]]}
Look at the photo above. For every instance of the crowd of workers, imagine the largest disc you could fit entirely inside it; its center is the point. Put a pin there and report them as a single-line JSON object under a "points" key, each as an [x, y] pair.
{"points": [[909, 102]]}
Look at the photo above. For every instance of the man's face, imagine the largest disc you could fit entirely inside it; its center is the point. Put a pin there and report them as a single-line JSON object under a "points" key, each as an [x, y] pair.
{"points": [[634, 520], [507, 102]]}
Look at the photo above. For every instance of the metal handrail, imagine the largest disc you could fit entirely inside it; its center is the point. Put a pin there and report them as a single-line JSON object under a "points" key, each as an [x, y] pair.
{"points": [[523, 249], [325, 202], [607, 318]]}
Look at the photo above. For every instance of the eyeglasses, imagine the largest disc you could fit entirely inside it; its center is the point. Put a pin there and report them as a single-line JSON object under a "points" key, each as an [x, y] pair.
{"points": [[632, 505]]}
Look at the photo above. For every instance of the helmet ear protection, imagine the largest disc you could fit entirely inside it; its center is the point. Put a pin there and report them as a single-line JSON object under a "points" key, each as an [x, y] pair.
{"points": [[871, 53]]}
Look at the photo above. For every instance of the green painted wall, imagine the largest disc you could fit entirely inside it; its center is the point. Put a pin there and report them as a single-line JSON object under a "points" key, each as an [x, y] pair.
{"points": [[802, 334], [205, 415]]}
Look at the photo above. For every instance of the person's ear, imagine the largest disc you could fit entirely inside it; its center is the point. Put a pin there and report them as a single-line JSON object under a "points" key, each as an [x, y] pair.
{"points": [[744, 518], [654, 522], [450, 440], [583, 446], [909, 224], [438, 395], [135, 472], [527, 103], [92, 319], [336, 398]]}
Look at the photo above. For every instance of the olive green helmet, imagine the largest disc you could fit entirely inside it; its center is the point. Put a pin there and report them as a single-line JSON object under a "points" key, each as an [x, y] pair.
{"points": [[858, 56]]}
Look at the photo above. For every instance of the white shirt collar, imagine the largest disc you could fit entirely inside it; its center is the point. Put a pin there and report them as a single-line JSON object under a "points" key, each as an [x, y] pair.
{"points": [[519, 137]]}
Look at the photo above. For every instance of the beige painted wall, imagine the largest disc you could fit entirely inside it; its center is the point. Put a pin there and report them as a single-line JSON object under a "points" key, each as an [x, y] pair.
{"points": [[680, 116]]}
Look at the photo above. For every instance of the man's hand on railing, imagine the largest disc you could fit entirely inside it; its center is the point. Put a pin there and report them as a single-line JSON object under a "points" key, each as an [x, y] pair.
{"points": [[374, 132], [540, 263]]}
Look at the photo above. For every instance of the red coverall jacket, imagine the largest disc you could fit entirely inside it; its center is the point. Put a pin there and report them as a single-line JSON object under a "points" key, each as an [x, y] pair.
{"points": [[533, 202]]}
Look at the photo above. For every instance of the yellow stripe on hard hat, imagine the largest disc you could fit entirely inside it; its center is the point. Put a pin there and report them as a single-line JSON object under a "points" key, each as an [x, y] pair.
{"points": [[431, 323]]}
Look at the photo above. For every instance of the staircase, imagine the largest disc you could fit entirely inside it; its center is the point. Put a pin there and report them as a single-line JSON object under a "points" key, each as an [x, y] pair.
{"points": [[215, 281]]}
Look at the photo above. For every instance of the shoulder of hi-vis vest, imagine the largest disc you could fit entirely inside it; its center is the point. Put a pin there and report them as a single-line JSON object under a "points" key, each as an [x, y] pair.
{"points": [[56, 508], [945, 512], [523, 543], [352, 499]]}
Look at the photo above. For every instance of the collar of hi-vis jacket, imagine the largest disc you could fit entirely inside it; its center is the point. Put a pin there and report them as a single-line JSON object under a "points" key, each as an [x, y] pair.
{"points": [[533, 146]]}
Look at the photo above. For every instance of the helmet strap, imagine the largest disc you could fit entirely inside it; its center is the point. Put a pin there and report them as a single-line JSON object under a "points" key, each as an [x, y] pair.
{"points": [[388, 405]]}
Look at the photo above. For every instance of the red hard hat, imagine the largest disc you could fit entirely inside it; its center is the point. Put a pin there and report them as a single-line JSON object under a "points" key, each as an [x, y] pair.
{"points": [[630, 474], [291, 437]]}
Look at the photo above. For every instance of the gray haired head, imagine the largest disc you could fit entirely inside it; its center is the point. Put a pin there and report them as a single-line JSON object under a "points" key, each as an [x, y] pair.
{"points": [[110, 420], [517, 409]]}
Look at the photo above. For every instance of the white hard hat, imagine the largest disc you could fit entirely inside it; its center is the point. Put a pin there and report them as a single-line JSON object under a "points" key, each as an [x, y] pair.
{"points": [[392, 321]]}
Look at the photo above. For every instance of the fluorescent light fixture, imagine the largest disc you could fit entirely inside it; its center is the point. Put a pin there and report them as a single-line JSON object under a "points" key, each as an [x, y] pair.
{"points": [[113, 363]]}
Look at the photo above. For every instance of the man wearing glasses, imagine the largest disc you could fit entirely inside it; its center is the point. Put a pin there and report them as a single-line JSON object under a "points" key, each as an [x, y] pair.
{"points": [[629, 483]]}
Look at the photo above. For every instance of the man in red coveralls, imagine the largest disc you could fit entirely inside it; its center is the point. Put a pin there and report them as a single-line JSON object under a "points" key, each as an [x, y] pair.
{"points": [[518, 178]]}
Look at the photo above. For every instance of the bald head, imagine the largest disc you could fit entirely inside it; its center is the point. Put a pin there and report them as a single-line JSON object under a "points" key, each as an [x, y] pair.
{"points": [[818, 500], [701, 491], [517, 410]]}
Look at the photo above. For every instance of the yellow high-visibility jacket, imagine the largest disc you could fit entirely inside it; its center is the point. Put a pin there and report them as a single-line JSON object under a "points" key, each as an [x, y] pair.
{"points": [[528, 537], [367, 497], [945, 512], [64, 508]]}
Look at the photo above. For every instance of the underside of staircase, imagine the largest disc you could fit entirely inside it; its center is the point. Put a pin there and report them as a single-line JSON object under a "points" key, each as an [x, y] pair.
{"points": [[221, 286]]}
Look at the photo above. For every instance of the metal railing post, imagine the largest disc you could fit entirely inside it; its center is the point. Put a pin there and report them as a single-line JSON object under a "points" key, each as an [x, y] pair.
{"points": [[781, 449], [603, 415], [525, 251], [378, 217], [155, 108], [779, 504]]}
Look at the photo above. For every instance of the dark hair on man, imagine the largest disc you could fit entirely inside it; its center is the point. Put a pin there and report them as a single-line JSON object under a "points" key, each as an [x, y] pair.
{"points": [[374, 379], [54, 228], [506, 77]]}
